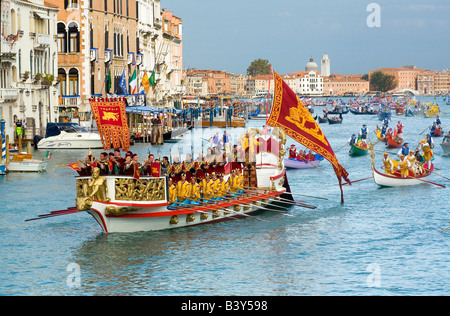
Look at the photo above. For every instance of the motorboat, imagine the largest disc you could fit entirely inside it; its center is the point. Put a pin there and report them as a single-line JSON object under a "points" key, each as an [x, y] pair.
{"points": [[67, 136]]}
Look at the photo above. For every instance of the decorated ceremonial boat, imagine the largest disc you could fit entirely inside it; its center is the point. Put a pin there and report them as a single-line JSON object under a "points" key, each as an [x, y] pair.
{"points": [[395, 180], [130, 204]]}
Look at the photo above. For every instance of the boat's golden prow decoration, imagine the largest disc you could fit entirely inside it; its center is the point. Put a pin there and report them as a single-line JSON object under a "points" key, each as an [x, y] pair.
{"points": [[91, 189]]}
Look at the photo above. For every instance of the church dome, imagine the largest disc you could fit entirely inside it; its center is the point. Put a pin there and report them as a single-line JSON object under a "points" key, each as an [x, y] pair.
{"points": [[311, 65]]}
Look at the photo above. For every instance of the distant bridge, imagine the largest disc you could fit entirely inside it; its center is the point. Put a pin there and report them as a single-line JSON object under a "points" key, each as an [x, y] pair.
{"points": [[407, 91]]}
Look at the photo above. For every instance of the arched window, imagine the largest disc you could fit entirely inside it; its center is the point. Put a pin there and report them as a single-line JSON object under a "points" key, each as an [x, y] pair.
{"points": [[74, 38], [62, 86], [62, 38], [73, 81]]}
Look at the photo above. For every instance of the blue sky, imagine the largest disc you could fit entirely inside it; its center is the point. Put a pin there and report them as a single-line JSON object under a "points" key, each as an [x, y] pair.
{"points": [[228, 35]]}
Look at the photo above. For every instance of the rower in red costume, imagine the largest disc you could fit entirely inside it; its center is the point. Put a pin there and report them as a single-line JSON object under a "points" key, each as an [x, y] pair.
{"points": [[292, 152]]}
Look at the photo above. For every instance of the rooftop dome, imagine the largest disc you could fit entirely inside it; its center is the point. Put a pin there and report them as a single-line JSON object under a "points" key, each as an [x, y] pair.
{"points": [[311, 65]]}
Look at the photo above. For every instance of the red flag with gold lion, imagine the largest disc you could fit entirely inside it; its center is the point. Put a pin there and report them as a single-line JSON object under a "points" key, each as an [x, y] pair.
{"points": [[111, 119], [289, 112]]}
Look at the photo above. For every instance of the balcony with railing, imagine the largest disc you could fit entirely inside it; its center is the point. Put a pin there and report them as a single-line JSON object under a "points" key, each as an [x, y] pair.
{"points": [[69, 100], [9, 94], [42, 41]]}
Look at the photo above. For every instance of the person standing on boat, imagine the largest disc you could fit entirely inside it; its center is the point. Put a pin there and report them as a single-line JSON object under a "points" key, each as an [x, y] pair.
{"points": [[438, 121], [404, 150], [400, 129], [429, 140], [102, 164], [352, 140], [292, 152], [388, 164], [427, 155], [364, 132]]}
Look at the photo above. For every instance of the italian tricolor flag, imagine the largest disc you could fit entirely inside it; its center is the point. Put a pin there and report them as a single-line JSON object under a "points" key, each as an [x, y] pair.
{"points": [[133, 82]]}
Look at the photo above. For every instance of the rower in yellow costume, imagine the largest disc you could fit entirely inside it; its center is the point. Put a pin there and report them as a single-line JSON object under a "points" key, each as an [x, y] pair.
{"points": [[207, 187], [182, 188], [221, 188], [172, 195], [388, 164], [427, 154], [233, 182], [403, 166], [194, 191]]}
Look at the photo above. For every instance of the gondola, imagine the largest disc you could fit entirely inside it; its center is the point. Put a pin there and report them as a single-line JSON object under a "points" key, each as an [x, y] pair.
{"points": [[322, 119], [339, 110], [438, 132], [358, 151], [392, 143], [335, 120], [368, 112]]}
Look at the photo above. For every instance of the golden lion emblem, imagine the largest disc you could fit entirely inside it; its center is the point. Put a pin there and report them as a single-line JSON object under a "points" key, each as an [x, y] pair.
{"points": [[302, 118], [107, 116]]}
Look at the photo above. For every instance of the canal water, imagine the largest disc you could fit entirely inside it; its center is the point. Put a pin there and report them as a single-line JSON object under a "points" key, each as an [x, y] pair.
{"points": [[381, 241]]}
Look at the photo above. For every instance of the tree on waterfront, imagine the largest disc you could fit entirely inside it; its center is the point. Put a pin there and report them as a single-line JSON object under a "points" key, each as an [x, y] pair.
{"points": [[383, 82], [258, 67]]}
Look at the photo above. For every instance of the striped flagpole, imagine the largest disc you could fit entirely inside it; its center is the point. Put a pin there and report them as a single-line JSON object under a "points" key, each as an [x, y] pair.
{"points": [[3, 159]]}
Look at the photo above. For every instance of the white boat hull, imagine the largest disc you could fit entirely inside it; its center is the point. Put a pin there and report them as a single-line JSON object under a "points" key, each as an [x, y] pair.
{"points": [[160, 218], [27, 166], [392, 181], [71, 141]]}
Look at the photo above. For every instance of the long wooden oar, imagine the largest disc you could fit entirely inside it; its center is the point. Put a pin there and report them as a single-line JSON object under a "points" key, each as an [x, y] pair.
{"points": [[437, 173], [291, 202], [358, 180], [57, 213], [296, 194], [297, 203], [187, 206], [231, 211], [270, 210], [437, 184]]}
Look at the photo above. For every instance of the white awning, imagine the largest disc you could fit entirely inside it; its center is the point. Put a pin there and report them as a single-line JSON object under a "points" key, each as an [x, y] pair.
{"points": [[42, 16]]}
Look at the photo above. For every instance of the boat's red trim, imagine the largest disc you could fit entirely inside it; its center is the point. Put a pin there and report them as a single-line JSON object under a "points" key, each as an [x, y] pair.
{"points": [[102, 224], [279, 176]]}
